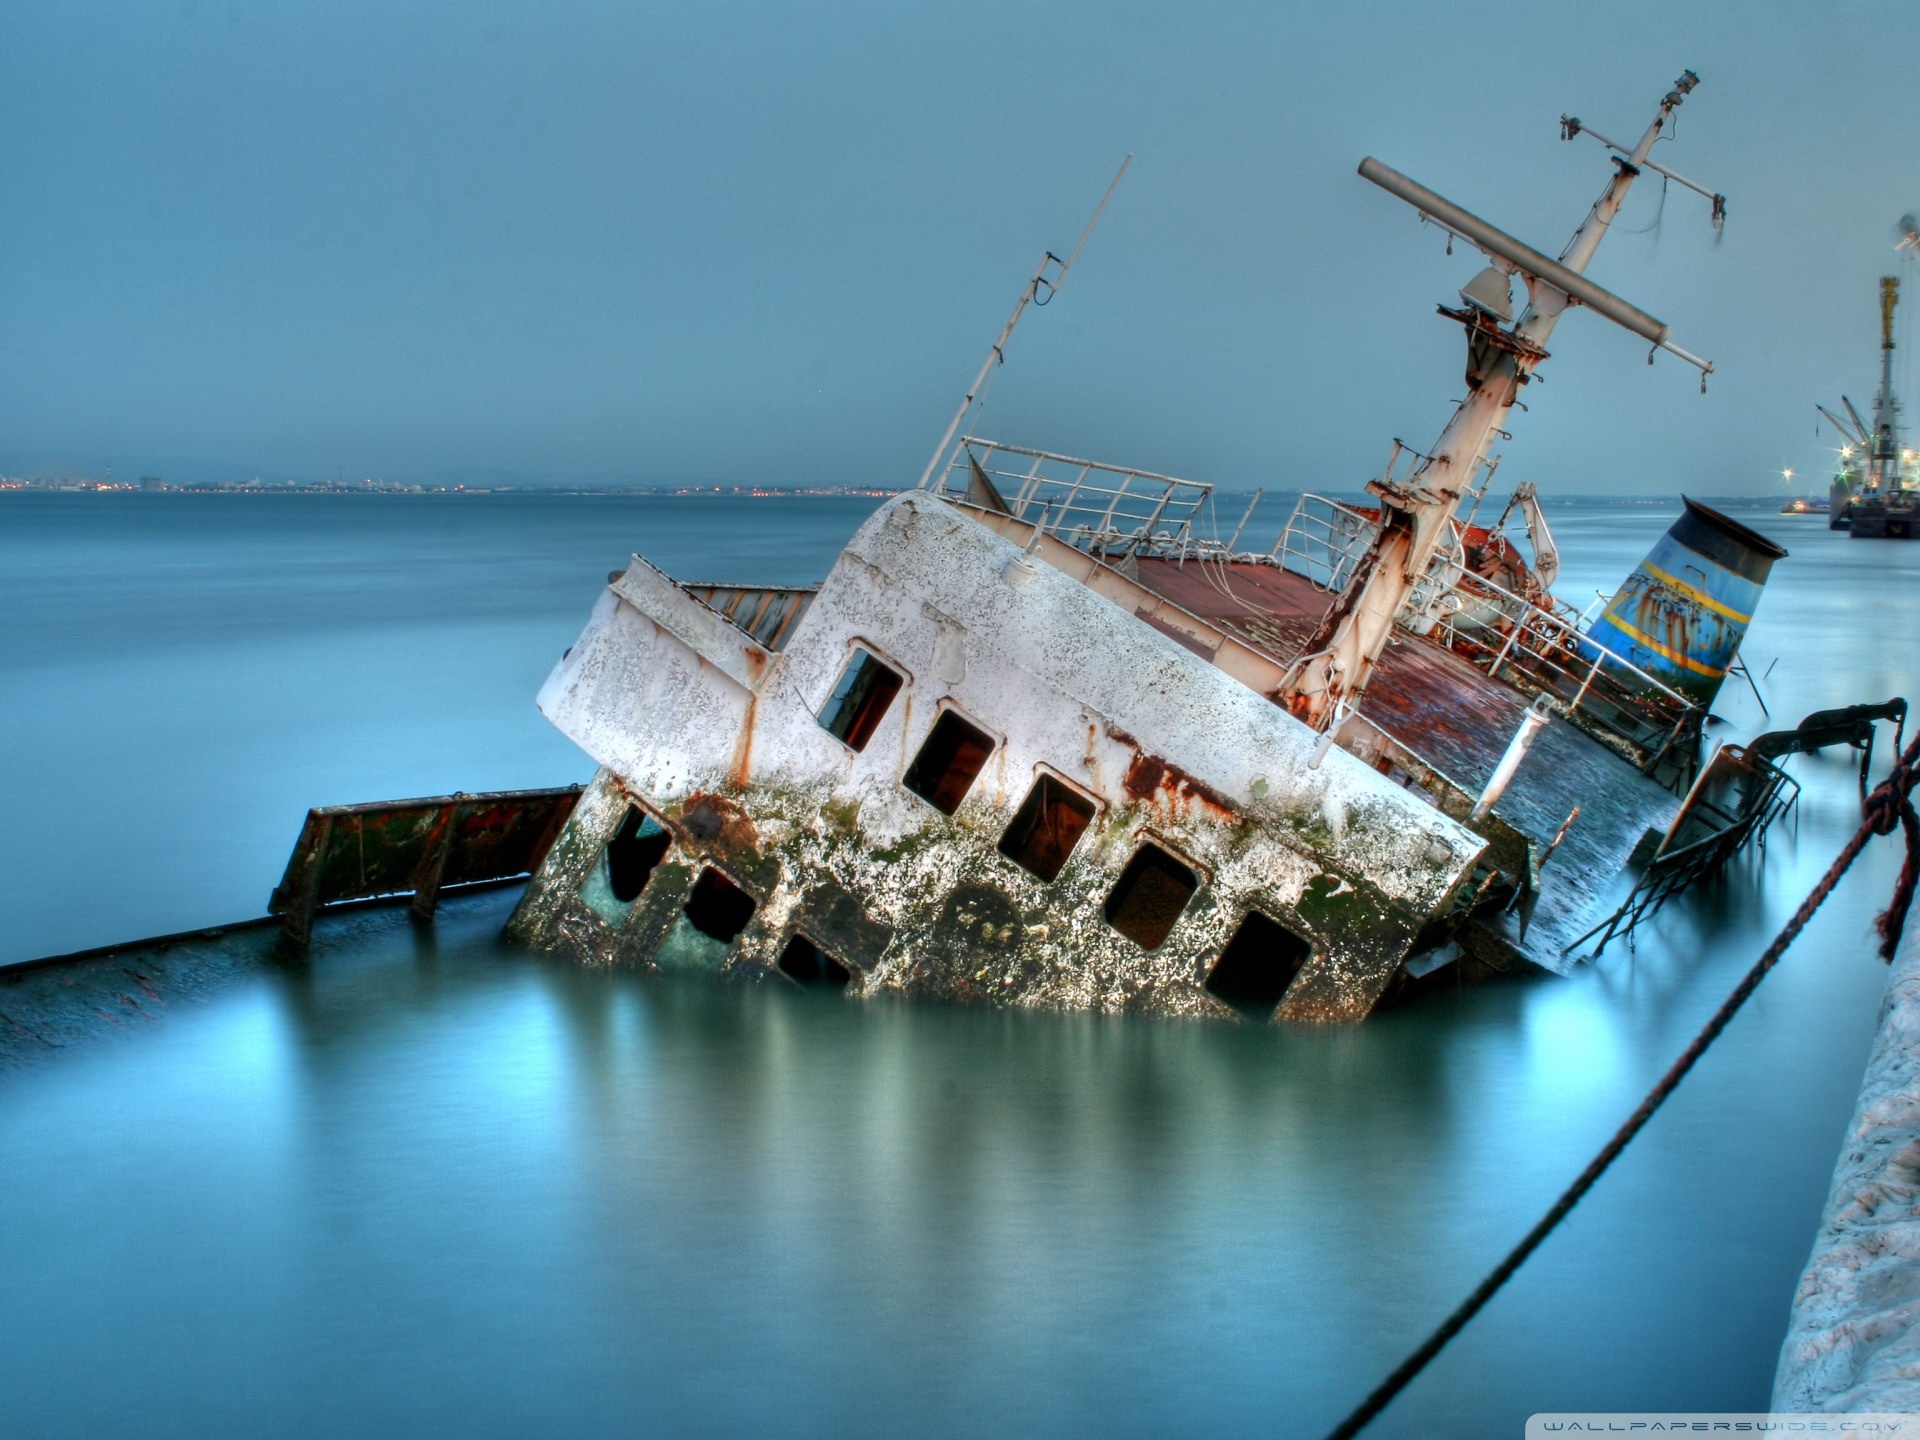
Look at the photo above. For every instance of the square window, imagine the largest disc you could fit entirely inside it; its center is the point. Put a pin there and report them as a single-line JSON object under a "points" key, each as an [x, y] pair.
{"points": [[1047, 827], [806, 963], [944, 770], [859, 702], [621, 871], [1259, 963], [718, 908], [1149, 896]]}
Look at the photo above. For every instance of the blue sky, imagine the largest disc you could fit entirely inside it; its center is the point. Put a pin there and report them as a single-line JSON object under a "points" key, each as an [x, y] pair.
{"points": [[770, 243]]}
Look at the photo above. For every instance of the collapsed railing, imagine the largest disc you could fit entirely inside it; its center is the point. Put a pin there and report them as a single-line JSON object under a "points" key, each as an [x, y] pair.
{"points": [[1737, 796], [1740, 793]]}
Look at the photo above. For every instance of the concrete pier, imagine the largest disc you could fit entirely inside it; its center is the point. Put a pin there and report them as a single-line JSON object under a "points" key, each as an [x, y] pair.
{"points": [[1852, 1342]]}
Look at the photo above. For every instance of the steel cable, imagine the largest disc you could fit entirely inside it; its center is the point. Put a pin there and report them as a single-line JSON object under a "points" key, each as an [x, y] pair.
{"points": [[1888, 806]]}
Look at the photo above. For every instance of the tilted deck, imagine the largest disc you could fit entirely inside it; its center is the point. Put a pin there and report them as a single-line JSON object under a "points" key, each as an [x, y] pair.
{"points": [[1459, 719]]}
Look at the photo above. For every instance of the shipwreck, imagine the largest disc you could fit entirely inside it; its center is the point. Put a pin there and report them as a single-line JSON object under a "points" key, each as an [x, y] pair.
{"points": [[1037, 739]]}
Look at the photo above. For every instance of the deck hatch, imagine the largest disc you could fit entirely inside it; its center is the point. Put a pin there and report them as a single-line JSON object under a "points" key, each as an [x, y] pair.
{"points": [[718, 908], [1049, 824], [945, 769], [1259, 963], [1150, 896]]}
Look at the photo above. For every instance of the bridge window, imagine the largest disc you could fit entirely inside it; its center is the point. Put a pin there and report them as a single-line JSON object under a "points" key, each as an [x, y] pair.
{"points": [[1149, 896], [859, 702], [718, 908], [1259, 963], [945, 768], [806, 963], [621, 871], [1047, 827]]}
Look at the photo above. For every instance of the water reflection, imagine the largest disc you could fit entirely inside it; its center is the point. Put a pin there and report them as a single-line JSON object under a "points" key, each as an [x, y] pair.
{"points": [[422, 1183]]}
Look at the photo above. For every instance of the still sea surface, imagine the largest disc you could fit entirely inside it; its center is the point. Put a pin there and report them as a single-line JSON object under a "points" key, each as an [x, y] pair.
{"points": [[438, 1186]]}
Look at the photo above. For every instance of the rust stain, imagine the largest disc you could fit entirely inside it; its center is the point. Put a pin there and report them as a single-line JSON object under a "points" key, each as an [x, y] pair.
{"points": [[713, 822], [1145, 776], [1149, 776], [743, 749]]}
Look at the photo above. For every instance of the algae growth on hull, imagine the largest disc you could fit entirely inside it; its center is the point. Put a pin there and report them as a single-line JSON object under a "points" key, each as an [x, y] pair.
{"points": [[891, 855]]}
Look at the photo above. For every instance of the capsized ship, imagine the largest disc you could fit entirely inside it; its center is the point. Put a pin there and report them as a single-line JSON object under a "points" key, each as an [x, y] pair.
{"points": [[1875, 492], [1038, 739]]}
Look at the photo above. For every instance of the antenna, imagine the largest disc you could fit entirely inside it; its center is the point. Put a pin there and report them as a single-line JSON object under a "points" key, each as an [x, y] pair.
{"points": [[1029, 296], [1571, 125]]}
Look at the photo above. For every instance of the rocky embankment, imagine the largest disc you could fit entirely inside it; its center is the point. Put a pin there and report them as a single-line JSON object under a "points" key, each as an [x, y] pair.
{"points": [[1852, 1342]]}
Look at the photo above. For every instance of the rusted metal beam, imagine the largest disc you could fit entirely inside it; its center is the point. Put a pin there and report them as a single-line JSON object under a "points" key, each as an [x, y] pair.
{"points": [[359, 852]]}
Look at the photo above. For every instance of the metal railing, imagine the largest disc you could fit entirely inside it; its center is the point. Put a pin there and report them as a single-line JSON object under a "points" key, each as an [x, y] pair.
{"points": [[1541, 651], [1731, 804], [1537, 649], [1448, 794], [1324, 541], [1092, 506], [766, 612]]}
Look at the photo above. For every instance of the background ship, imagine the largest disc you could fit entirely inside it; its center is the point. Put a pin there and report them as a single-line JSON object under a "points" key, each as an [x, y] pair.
{"points": [[1875, 491]]}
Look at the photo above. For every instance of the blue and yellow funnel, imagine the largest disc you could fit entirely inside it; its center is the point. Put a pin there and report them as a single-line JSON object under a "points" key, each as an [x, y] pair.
{"points": [[1681, 615]]}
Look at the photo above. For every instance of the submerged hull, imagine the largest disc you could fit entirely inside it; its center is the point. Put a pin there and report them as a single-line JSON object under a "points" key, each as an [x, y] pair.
{"points": [[981, 764], [1033, 742], [1193, 802]]}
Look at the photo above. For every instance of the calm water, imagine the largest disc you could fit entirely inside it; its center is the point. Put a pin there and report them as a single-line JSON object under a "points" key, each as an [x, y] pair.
{"points": [[434, 1186]]}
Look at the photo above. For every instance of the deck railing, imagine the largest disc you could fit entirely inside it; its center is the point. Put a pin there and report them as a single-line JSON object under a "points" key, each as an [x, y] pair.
{"points": [[1537, 649], [1541, 651], [1092, 506], [1324, 541]]}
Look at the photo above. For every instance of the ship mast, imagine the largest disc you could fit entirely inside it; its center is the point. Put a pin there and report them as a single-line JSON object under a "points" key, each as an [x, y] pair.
{"points": [[1417, 509], [1886, 411]]}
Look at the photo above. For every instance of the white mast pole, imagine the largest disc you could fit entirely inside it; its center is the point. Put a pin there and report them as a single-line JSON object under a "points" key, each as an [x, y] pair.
{"points": [[998, 354], [1415, 512]]}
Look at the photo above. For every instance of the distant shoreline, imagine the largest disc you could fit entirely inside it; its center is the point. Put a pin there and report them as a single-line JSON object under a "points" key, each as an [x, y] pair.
{"points": [[752, 492], [104, 487]]}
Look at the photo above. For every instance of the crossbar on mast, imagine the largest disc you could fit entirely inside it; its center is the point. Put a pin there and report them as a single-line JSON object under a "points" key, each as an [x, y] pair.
{"points": [[1523, 257]]}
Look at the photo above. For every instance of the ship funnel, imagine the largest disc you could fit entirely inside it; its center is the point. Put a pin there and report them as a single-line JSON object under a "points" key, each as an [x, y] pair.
{"points": [[1681, 615]]}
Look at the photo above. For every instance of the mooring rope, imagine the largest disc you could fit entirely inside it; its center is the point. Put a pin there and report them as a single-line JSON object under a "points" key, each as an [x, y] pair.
{"points": [[1890, 804]]}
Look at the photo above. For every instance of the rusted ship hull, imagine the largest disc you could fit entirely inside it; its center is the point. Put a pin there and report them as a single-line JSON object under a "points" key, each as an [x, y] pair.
{"points": [[1196, 803], [1036, 741]]}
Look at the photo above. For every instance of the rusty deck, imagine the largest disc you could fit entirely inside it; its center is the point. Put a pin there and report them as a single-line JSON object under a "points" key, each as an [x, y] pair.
{"points": [[1458, 718]]}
